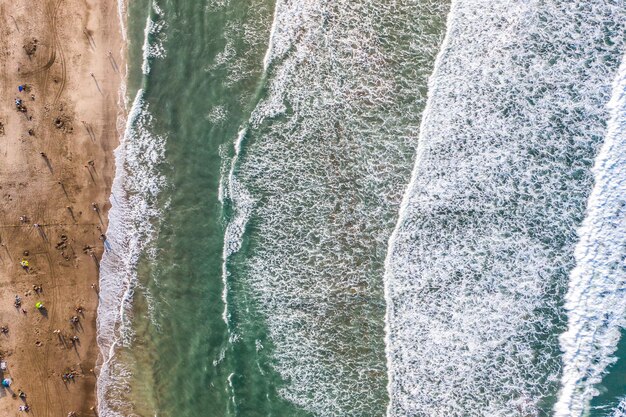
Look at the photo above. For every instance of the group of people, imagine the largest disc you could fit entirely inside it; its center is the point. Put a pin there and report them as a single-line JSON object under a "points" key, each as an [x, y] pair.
{"points": [[74, 320], [25, 406], [69, 376]]}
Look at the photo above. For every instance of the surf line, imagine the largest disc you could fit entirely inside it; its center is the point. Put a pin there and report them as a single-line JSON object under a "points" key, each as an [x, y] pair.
{"points": [[596, 298], [230, 189], [233, 193], [129, 232], [388, 276]]}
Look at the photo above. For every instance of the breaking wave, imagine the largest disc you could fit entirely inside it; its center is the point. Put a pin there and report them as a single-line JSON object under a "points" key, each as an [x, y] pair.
{"points": [[154, 38], [131, 230], [477, 267], [134, 192], [596, 300], [620, 410], [316, 188]]}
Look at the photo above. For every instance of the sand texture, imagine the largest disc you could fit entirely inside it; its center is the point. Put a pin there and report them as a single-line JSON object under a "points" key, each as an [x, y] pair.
{"points": [[56, 169]]}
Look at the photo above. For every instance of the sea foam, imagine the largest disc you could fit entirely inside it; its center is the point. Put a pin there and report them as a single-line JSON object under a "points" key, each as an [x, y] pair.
{"points": [[135, 189], [620, 410], [477, 267], [596, 300], [315, 188], [154, 38], [134, 193]]}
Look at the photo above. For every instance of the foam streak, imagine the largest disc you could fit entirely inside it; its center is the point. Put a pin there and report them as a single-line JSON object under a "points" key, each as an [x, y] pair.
{"points": [[478, 265], [327, 154], [134, 193], [596, 300]]}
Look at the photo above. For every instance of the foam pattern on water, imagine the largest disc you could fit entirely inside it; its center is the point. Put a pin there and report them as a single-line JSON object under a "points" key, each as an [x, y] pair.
{"points": [[235, 58], [131, 218], [596, 300], [477, 267], [317, 184], [620, 410], [154, 38]]}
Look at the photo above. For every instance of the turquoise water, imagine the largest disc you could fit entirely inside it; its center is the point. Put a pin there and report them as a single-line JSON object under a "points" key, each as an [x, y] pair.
{"points": [[360, 208]]}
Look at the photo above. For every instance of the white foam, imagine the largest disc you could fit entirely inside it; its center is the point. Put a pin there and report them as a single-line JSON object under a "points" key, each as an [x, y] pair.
{"points": [[402, 213], [620, 410], [154, 38], [477, 266], [135, 188], [134, 191], [596, 300], [243, 39], [270, 48], [326, 155], [133, 194], [235, 229]]}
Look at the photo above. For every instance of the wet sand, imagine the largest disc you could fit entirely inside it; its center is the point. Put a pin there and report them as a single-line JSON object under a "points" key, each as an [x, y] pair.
{"points": [[56, 169]]}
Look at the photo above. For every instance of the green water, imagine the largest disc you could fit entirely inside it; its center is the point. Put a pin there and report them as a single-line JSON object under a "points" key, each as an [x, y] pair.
{"points": [[291, 320], [178, 309], [182, 356], [316, 345]]}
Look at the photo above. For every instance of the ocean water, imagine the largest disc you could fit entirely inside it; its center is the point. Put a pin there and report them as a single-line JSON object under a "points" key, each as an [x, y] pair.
{"points": [[516, 116], [368, 208]]}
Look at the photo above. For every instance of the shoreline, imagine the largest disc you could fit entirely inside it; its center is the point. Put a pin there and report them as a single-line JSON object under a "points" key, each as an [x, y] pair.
{"points": [[56, 172]]}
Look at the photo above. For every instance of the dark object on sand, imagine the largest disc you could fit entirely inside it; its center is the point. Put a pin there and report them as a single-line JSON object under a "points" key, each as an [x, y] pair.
{"points": [[31, 47]]}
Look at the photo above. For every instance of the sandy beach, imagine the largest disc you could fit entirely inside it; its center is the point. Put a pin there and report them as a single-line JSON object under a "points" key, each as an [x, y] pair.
{"points": [[61, 64]]}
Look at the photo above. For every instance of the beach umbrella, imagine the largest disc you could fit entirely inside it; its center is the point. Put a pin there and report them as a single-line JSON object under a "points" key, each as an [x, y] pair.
{"points": [[6, 382], [39, 305]]}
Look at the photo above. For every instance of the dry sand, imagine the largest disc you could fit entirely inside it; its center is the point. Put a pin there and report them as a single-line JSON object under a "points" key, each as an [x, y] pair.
{"points": [[69, 54]]}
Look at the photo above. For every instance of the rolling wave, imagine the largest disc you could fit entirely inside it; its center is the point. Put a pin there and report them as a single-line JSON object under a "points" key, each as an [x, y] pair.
{"points": [[596, 300], [326, 156], [134, 192], [478, 264]]}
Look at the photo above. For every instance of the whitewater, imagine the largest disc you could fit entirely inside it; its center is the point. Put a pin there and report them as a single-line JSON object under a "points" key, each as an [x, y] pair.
{"points": [[478, 265], [134, 192], [418, 210], [315, 183], [596, 302]]}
